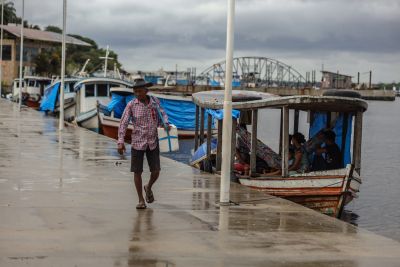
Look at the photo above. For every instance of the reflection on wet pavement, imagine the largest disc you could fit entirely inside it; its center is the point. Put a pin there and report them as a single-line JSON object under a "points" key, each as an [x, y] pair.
{"points": [[68, 200]]}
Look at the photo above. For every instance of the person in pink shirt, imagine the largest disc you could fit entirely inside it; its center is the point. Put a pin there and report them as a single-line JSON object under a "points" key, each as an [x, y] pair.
{"points": [[144, 113]]}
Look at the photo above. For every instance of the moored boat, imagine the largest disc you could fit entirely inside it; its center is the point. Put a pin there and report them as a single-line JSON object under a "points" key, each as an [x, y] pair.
{"points": [[180, 110], [90, 93], [50, 102], [32, 90], [326, 190]]}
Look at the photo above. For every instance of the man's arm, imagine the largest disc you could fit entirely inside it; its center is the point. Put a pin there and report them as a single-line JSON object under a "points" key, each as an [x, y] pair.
{"points": [[163, 114], [124, 122]]}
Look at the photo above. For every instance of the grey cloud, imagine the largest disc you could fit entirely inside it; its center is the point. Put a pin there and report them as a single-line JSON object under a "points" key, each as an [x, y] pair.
{"points": [[151, 33]]}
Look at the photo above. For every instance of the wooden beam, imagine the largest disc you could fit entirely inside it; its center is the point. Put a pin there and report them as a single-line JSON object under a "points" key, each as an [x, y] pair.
{"points": [[201, 126], [253, 155], [285, 141], [196, 131], [219, 147], [209, 136], [296, 121], [358, 124], [344, 135], [280, 133], [233, 145]]}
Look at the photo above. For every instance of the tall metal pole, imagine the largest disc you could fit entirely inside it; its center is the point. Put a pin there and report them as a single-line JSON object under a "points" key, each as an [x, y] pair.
{"points": [[1, 47], [227, 123], [61, 119], [21, 55]]}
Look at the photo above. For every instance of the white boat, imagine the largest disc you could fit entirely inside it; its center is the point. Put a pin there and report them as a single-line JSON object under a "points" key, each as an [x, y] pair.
{"points": [[91, 92], [50, 101], [32, 90]]}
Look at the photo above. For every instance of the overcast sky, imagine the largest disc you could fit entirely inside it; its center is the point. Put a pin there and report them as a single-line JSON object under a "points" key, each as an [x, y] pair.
{"points": [[344, 35]]}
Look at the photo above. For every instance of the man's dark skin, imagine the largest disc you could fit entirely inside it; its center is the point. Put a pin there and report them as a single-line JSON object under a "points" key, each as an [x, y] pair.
{"points": [[141, 95]]}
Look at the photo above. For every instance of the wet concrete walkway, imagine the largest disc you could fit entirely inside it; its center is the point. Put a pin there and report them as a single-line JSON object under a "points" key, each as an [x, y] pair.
{"points": [[69, 200]]}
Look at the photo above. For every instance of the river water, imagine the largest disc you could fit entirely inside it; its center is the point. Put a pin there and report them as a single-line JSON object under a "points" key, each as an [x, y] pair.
{"points": [[377, 208]]}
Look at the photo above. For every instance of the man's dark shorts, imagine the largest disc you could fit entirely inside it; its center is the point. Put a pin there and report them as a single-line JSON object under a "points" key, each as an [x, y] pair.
{"points": [[153, 159]]}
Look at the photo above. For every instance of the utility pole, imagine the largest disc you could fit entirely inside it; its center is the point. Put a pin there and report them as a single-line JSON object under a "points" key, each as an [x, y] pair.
{"points": [[21, 55], [358, 78], [1, 47], [61, 119], [227, 122], [370, 79]]}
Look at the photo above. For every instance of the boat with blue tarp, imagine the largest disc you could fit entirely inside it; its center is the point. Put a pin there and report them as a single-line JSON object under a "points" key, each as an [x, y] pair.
{"points": [[51, 98], [90, 93]]}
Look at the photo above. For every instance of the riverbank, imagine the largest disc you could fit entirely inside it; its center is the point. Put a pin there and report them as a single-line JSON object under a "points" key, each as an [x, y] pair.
{"points": [[68, 200]]}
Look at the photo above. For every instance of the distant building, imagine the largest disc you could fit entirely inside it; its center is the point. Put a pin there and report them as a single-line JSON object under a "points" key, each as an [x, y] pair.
{"points": [[35, 41], [332, 80]]}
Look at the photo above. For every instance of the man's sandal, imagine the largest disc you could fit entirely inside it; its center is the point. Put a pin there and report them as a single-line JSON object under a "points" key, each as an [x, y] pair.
{"points": [[141, 206], [149, 195]]}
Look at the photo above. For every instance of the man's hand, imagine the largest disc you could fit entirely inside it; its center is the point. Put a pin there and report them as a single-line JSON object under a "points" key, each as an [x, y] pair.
{"points": [[121, 149], [168, 127]]}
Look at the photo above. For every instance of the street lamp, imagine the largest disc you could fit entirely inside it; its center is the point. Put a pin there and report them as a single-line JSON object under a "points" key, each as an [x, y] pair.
{"points": [[61, 113], [227, 123]]}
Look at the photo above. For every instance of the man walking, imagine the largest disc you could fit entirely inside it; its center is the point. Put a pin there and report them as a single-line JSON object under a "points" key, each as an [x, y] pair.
{"points": [[145, 113]]}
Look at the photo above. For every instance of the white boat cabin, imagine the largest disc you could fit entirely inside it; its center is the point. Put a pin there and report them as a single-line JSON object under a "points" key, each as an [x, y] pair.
{"points": [[32, 85], [92, 90]]}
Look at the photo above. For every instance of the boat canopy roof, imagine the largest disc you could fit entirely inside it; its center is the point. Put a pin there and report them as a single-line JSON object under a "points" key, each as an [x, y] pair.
{"points": [[122, 90], [116, 82], [242, 100]]}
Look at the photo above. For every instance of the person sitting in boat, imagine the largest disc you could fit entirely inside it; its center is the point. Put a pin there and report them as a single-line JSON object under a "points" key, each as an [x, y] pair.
{"points": [[298, 162], [328, 157], [242, 165]]}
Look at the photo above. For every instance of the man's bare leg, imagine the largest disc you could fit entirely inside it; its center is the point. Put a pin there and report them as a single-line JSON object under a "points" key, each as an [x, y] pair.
{"points": [[147, 188], [153, 178], [138, 185]]}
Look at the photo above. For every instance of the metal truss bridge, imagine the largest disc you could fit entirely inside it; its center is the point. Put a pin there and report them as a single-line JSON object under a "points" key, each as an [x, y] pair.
{"points": [[253, 72]]}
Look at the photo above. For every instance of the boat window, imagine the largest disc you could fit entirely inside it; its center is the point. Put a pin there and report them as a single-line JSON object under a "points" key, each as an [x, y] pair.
{"points": [[17, 84], [102, 89], [89, 90], [31, 83]]}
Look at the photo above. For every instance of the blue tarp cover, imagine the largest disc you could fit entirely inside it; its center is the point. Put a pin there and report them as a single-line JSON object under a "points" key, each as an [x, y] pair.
{"points": [[49, 99], [320, 122], [118, 104], [180, 113], [218, 114]]}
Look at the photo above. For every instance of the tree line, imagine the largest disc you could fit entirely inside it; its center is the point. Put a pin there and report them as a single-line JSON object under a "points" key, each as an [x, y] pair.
{"points": [[48, 61]]}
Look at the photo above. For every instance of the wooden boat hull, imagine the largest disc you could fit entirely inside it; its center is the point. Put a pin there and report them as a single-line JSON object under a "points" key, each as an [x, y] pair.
{"points": [[327, 192]]}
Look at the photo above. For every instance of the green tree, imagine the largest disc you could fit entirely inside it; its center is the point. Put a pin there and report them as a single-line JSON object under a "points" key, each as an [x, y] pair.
{"points": [[52, 28]]}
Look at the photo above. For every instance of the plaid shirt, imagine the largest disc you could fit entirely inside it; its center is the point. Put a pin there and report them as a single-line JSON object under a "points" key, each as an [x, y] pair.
{"points": [[145, 120]]}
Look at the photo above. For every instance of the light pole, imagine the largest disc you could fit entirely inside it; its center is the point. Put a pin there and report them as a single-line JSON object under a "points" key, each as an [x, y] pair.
{"points": [[61, 119], [1, 47], [21, 55], [227, 123]]}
